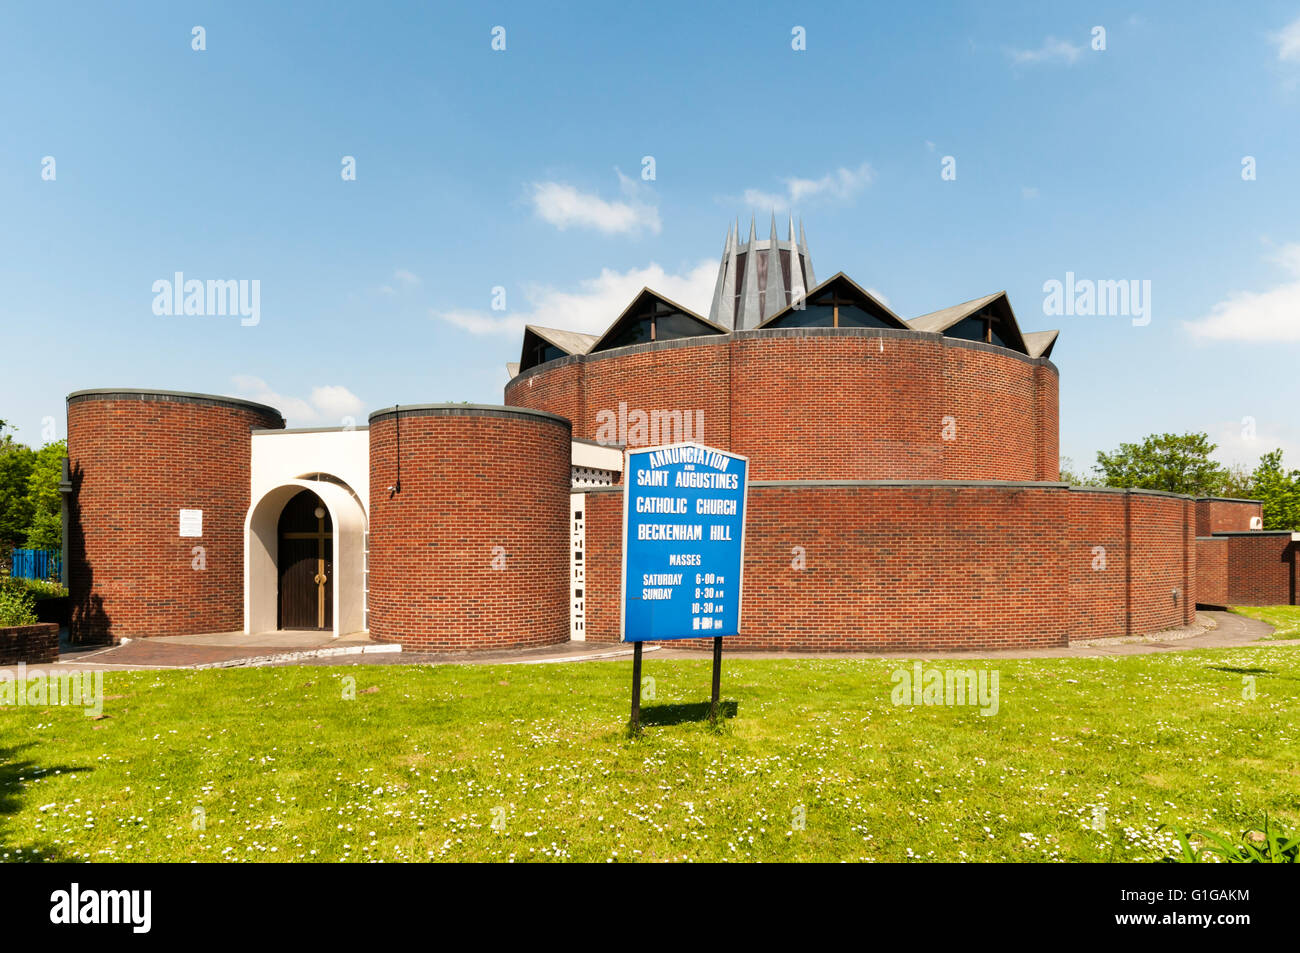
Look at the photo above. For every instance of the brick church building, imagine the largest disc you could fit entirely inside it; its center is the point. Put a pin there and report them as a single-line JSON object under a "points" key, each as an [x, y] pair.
{"points": [[904, 490]]}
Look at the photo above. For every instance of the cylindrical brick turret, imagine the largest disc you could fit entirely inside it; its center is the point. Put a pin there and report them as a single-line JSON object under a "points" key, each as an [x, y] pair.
{"points": [[137, 458], [469, 516], [817, 403]]}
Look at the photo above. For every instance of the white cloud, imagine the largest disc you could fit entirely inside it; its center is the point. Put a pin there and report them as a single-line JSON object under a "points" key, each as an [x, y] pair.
{"points": [[1237, 448], [1288, 41], [842, 185], [596, 302], [1052, 51], [1272, 315], [405, 278], [327, 406], [564, 206], [1029, 191]]}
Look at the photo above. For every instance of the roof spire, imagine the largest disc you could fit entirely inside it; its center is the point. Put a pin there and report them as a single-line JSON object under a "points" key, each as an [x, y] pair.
{"points": [[797, 288], [722, 311], [774, 292], [807, 258], [749, 310]]}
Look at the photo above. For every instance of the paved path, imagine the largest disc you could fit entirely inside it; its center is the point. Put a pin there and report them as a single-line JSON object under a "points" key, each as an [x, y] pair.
{"points": [[1214, 629]]}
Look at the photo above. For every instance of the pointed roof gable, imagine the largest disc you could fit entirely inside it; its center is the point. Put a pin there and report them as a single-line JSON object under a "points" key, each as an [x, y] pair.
{"points": [[842, 282], [570, 342], [946, 318], [631, 313], [1040, 343]]}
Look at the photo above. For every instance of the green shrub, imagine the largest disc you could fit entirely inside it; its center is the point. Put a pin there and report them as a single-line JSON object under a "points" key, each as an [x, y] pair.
{"points": [[17, 605], [44, 589]]}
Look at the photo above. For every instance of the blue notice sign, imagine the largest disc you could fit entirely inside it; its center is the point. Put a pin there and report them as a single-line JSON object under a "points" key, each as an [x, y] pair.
{"points": [[683, 542]]}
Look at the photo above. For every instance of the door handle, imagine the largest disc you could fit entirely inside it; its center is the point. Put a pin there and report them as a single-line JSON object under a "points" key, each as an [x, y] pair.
{"points": [[320, 579]]}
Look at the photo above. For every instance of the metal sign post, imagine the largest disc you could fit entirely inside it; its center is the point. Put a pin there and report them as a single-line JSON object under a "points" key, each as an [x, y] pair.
{"points": [[636, 688], [683, 551]]}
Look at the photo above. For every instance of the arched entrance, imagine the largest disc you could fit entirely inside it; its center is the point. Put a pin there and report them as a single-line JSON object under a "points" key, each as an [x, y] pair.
{"points": [[305, 564], [287, 545]]}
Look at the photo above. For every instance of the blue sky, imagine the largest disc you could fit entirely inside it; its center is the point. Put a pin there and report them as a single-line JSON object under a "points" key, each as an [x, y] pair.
{"points": [[521, 169]]}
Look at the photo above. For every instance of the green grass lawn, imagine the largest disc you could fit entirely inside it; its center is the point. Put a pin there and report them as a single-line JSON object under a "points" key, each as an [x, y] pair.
{"points": [[1085, 760], [1285, 620]]}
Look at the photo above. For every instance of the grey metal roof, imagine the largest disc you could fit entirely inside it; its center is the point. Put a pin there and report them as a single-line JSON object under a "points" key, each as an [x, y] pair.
{"points": [[570, 342], [945, 318], [640, 296], [840, 276]]}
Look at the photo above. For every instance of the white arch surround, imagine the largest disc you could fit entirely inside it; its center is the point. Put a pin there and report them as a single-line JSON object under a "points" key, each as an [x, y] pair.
{"points": [[261, 550]]}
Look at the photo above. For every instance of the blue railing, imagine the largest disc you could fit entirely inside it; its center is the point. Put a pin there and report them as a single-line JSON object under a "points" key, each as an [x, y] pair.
{"points": [[36, 563]]}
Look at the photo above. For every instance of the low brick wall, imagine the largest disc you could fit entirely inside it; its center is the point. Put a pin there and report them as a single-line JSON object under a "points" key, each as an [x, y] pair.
{"points": [[1259, 569], [934, 566], [1212, 570], [1220, 515], [33, 644]]}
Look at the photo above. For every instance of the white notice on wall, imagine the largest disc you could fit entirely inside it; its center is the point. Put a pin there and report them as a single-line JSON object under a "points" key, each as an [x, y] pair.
{"points": [[191, 523]]}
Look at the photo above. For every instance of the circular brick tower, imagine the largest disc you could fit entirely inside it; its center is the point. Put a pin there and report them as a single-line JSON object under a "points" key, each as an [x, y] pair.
{"points": [[469, 515], [137, 459]]}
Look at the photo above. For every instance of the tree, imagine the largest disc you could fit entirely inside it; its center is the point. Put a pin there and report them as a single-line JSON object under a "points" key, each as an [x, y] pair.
{"points": [[15, 505], [45, 531], [1279, 491], [1075, 477], [1237, 482], [30, 507], [1176, 463]]}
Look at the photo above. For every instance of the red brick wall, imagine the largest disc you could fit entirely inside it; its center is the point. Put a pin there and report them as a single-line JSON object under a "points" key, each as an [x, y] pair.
{"points": [[994, 401], [686, 379], [1048, 383], [1261, 570], [826, 404], [1162, 535], [33, 644], [934, 567], [136, 461], [472, 479], [1097, 563], [1212, 571], [558, 391], [1225, 516]]}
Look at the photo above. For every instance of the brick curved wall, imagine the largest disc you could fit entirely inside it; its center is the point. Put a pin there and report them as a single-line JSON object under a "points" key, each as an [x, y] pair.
{"points": [[1145, 580], [137, 459], [472, 480], [823, 403], [934, 566]]}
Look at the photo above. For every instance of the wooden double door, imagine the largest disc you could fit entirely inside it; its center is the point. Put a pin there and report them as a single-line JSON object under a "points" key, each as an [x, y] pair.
{"points": [[305, 564]]}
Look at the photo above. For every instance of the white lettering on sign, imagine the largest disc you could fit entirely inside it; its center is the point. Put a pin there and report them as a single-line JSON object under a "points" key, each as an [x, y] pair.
{"points": [[191, 523]]}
